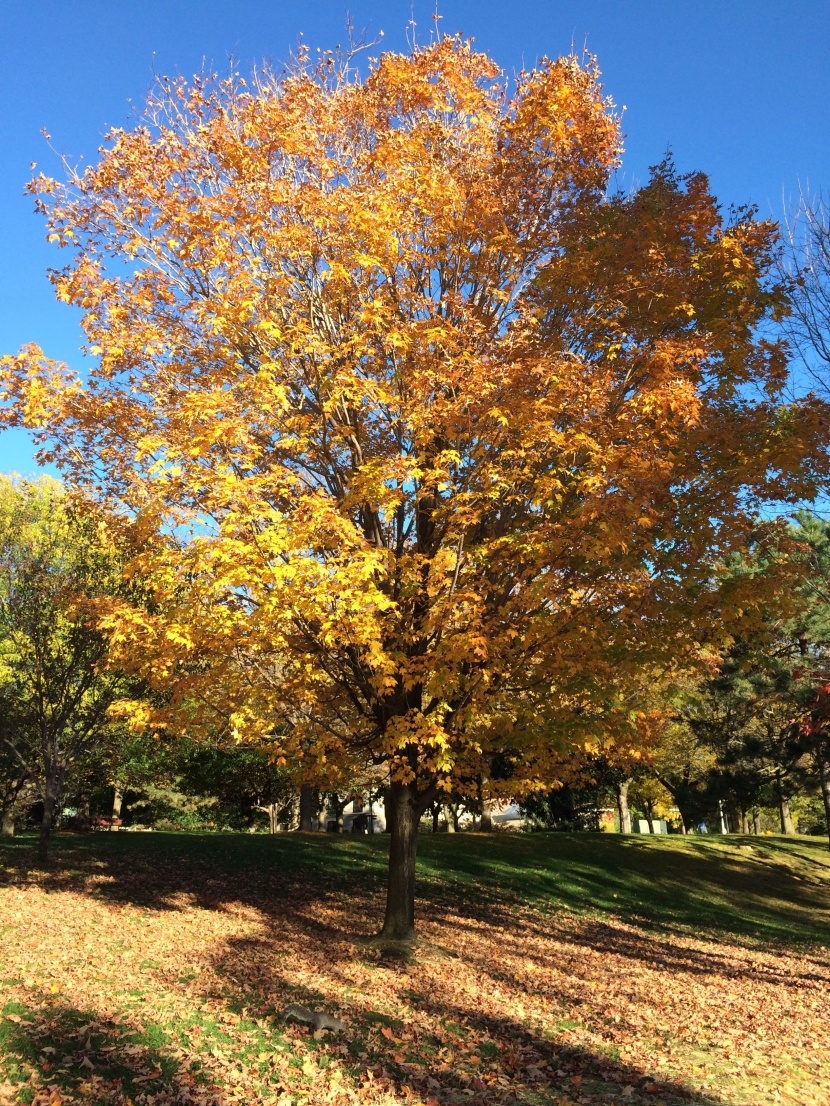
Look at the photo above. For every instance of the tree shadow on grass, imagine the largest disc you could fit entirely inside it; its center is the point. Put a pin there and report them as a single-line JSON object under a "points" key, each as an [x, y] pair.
{"points": [[57, 1053], [442, 1046], [746, 889], [740, 888], [660, 963], [437, 1050], [292, 873], [666, 955], [154, 870]]}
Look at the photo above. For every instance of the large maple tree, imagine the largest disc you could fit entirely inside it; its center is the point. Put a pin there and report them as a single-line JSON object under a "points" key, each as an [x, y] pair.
{"points": [[446, 439]]}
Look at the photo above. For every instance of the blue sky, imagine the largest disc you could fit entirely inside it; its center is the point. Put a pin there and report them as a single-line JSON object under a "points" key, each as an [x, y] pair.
{"points": [[737, 88]]}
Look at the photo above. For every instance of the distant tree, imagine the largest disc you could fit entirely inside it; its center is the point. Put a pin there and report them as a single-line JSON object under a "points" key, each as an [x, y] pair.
{"points": [[569, 807], [812, 630], [57, 557], [754, 723], [241, 780], [15, 788], [805, 264], [682, 762], [815, 735], [650, 796]]}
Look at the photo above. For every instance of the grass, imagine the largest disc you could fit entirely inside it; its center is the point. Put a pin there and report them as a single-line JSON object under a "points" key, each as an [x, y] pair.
{"points": [[767, 888], [554, 969]]}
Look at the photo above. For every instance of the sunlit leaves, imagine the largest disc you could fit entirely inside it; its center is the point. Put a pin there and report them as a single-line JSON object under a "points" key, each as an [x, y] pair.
{"points": [[442, 437]]}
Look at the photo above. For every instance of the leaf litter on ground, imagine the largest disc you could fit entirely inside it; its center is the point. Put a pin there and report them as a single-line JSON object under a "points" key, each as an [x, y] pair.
{"points": [[144, 984]]}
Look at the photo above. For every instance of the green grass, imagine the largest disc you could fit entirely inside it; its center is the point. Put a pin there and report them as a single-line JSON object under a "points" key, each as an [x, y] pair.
{"points": [[768, 891], [756, 888], [752, 887]]}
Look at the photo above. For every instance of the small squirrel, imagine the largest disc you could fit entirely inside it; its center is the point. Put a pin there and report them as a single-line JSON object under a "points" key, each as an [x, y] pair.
{"points": [[321, 1022]]}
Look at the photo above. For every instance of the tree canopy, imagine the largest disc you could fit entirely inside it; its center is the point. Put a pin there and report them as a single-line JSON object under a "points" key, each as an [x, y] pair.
{"points": [[449, 442], [58, 558]]}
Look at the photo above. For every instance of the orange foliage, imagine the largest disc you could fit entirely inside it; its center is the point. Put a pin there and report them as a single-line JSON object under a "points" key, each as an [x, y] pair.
{"points": [[447, 441]]}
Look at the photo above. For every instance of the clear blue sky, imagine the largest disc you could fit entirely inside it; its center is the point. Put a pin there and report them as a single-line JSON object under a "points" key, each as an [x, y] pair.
{"points": [[738, 88]]}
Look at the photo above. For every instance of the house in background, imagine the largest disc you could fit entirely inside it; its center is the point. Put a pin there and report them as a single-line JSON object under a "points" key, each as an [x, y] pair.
{"points": [[507, 817], [359, 816]]}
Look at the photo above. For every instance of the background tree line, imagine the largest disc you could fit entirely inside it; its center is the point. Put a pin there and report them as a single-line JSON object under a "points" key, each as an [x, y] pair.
{"points": [[745, 749]]}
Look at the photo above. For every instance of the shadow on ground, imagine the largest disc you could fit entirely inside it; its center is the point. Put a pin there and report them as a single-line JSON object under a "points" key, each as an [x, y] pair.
{"points": [[446, 1047], [742, 888], [62, 1054], [437, 1051]]}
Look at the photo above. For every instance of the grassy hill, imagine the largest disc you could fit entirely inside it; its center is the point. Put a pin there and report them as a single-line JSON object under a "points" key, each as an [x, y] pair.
{"points": [[553, 969]]}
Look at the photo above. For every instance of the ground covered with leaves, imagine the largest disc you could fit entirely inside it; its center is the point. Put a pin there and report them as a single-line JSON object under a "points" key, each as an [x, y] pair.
{"points": [[551, 970]]}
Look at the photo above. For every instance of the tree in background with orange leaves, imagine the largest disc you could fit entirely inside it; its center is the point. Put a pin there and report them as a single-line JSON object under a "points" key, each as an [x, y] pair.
{"points": [[447, 442]]}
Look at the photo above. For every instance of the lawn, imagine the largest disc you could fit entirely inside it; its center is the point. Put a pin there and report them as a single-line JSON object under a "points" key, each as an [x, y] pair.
{"points": [[551, 970]]}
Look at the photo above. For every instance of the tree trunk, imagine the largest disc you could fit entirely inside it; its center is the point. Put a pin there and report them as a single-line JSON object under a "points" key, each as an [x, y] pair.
{"points": [[756, 822], [117, 800], [7, 829], [787, 824], [743, 820], [402, 821], [622, 806], [83, 819], [45, 828], [486, 824], [452, 818], [650, 819], [436, 814], [336, 808], [53, 785], [306, 803], [824, 776], [273, 818]]}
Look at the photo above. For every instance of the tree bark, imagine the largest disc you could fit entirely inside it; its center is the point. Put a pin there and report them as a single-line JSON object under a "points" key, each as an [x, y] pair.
{"points": [[12, 804], [117, 801], [787, 824], [824, 776], [45, 828], [51, 794], [402, 820], [83, 819], [336, 808], [486, 823], [436, 814], [306, 803], [622, 806]]}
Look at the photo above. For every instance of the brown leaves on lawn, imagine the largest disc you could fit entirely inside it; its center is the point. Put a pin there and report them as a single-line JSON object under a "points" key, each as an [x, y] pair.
{"points": [[130, 999]]}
